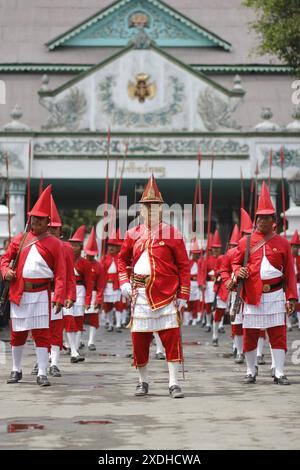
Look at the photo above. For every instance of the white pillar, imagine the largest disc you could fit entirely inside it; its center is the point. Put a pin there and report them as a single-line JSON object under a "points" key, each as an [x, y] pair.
{"points": [[17, 191]]}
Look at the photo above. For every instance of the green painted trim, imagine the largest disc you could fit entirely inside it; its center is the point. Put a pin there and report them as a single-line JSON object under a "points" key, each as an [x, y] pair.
{"points": [[103, 135], [163, 53], [62, 38], [207, 68]]}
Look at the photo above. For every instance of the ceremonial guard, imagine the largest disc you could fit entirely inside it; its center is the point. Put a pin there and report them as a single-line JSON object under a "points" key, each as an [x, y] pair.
{"points": [[112, 293], [295, 244], [57, 321], [269, 288], [220, 291], [74, 316], [159, 287], [39, 261], [92, 314], [193, 307]]}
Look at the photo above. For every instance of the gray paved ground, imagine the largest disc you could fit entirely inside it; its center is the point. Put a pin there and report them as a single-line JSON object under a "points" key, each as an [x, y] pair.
{"points": [[219, 412]]}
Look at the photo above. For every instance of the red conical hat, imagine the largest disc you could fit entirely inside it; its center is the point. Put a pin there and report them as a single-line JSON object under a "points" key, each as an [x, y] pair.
{"points": [[246, 222], [151, 192], [55, 218], [295, 240], [78, 235], [195, 247], [209, 241], [42, 207], [91, 248], [235, 236], [265, 205], [216, 241]]}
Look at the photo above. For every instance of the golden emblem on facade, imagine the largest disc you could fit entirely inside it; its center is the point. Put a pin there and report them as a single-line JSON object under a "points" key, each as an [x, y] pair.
{"points": [[141, 89], [138, 20]]}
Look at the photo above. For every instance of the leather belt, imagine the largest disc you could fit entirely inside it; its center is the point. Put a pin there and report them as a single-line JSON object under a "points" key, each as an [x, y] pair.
{"points": [[31, 286], [140, 280], [211, 278], [267, 287], [80, 283], [193, 278]]}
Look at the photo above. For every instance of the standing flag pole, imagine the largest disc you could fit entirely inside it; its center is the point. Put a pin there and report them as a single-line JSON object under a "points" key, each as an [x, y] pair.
{"points": [[29, 180], [282, 190], [270, 168], [242, 190], [8, 197], [196, 193]]}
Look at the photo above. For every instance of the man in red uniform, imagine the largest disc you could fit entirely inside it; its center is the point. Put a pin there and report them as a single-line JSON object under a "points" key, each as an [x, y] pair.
{"points": [[92, 314], [219, 289], [295, 244], [41, 261], [57, 321], [112, 293], [193, 310], [159, 289], [266, 297], [74, 316]]}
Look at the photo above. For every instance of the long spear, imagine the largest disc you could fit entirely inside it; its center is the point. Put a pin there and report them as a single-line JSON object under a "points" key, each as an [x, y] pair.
{"points": [[41, 184], [29, 181], [8, 198], [270, 168], [121, 176], [210, 205], [242, 190], [196, 193], [251, 197], [282, 189], [256, 187], [106, 190]]}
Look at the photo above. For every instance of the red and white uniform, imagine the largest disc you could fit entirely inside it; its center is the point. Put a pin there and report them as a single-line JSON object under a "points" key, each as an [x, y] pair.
{"points": [[161, 256], [84, 288], [97, 272], [112, 291], [40, 262]]}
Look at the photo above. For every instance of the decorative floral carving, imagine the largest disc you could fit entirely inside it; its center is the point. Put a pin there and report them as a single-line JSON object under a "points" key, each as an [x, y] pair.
{"points": [[291, 158], [214, 111], [123, 117], [13, 159], [66, 113]]}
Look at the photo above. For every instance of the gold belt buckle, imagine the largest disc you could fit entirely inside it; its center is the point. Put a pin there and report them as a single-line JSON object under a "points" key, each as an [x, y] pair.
{"points": [[266, 288], [28, 285]]}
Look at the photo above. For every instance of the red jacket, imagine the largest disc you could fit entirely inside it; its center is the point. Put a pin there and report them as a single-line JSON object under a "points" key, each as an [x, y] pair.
{"points": [[70, 275], [296, 261], [170, 270], [84, 275], [98, 279], [207, 265], [50, 249], [222, 291], [227, 265], [279, 254], [106, 262]]}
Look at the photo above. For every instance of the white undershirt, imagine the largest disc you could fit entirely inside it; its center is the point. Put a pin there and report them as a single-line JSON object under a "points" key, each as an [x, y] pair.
{"points": [[35, 266], [142, 267], [267, 271], [113, 268]]}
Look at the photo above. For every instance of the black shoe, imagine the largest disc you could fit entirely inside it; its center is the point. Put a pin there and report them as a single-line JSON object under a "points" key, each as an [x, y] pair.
{"points": [[160, 356], [240, 359], [273, 372], [81, 345], [282, 380], [176, 392], [54, 371], [35, 370], [249, 379], [110, 328], [208, 329], [234, 353], [260, 360], [14, 377], [141, 389], [203, 325], [92, 347], [119, 330], [256, 371], [221, 329], [75, 359], [43, 381], [215, 342]]}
